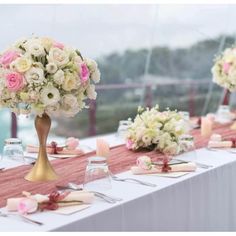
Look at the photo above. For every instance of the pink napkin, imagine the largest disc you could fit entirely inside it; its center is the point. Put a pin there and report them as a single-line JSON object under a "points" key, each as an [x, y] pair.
{"points": [[84, 196], [185, 167], [50, 150], [220, 144]]}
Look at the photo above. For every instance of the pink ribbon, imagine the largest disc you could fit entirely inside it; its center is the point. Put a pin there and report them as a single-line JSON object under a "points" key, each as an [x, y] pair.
{"points": [[54, 198]]}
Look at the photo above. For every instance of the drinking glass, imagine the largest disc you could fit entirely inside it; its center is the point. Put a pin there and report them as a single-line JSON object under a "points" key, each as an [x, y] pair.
{"points": [[13, 150], [187, 148], [223, 114], [186, 118], [122, 129], [97, 177]]}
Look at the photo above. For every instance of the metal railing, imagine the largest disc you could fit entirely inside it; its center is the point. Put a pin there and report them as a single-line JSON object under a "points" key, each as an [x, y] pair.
{"points": [[148, 90]]}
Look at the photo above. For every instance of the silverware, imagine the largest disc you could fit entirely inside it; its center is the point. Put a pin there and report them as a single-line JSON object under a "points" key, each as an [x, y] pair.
{"points": [[73, 186], [107, 198], [25, 218], [201, 165], [114, 177]]}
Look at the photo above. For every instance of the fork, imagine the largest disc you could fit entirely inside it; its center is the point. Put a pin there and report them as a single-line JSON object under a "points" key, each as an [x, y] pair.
{"points": [[114, 177], [98, 194], [25, 218], [75, 187], [201, 165]]}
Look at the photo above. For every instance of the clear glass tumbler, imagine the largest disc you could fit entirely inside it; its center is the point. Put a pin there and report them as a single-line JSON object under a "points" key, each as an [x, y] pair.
{"points": [[187, 148], [13, 150], [97, 177], [122, 129]]}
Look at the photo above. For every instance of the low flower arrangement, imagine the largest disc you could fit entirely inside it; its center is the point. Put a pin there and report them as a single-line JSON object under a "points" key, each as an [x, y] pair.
{"points": [[41, 75], [224, 69], [156, 130]]}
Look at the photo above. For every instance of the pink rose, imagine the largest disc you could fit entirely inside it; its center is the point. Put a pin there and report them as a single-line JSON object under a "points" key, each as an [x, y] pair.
{"points": [[27, 205], [8, 57], [72, 143], [58, 45], [144, 162], [84, 72], [226, 67], [129, 144], [14, 81]]}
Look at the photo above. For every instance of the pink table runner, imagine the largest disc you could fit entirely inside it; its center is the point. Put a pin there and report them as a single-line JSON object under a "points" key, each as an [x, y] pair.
{"points": [[12, 181]]}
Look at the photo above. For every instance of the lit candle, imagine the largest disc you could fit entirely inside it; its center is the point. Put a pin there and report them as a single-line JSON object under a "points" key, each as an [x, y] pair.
{"points": [[206, 126]]}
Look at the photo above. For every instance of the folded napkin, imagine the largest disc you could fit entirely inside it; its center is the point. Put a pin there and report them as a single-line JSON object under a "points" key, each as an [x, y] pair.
{"points": [[51, 150], [186, 167], [72, 198], [220, 144]]}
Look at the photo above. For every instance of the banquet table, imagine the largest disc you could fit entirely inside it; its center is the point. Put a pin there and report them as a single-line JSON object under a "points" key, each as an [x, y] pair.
{"points": [[198, 201]]}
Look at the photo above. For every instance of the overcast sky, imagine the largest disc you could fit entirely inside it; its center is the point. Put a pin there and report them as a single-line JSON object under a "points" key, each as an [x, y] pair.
{"points": [[100, 29]]}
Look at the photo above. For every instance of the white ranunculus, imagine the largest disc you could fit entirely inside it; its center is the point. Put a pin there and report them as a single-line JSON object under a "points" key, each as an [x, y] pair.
{"points": [[34, 75], [91, 93], [50, 95], [59, 77], [58, 56], [51, 68]]}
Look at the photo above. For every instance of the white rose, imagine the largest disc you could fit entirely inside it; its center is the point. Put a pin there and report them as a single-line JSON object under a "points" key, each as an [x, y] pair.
{"points": [[91, 64], [58, 56], [50, 95], [91, 93], [53, 109], [51, 68], [95, 76], [70, 106], [34, 75], [35, 48], [172, 149], [77, 60], [59, 77]]}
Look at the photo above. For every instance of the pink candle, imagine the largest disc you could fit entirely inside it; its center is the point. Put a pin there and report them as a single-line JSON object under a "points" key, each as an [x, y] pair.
{"points": [[206, 126], [103, 148]]}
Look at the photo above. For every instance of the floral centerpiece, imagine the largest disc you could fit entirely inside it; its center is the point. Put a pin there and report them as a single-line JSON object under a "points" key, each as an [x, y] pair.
{"points": [[224, 69], [41, 75], [156, 130], [45, 77], [224, 74]]}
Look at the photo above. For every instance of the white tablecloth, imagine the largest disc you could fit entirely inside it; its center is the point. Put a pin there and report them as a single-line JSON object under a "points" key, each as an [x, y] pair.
{"points": [[201, 201]]}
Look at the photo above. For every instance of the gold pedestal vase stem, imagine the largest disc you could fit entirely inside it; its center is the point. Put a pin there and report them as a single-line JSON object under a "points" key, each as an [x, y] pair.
{"points": [[42, 170]]}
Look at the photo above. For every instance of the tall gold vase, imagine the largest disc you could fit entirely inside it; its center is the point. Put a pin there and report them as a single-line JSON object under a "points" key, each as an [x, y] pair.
{"points": [[42, 170]]}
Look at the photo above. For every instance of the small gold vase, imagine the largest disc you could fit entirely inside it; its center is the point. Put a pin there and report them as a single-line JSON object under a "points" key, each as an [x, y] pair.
{"points": [[42, 170]]}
